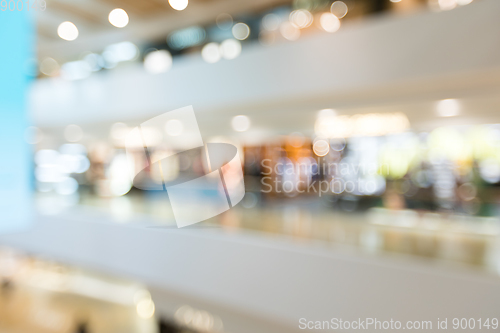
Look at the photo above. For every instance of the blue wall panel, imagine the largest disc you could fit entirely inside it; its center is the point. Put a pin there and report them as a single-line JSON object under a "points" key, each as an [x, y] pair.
{"points": [[16, 54]]}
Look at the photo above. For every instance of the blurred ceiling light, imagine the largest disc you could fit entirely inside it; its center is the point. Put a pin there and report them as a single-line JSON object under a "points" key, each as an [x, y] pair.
{"points": [[339, 8], [73, 149], [446, 143], [198, 320], [49, 67], [289, 31], [119, 182], [123, 51], [391, 1], [46, 157], [75, 70], [448, 108], [211, 53], [224, 21], [118, 17], [301, 18], [67, 31], [174, 127], [371, 124], [178, 4], [33, 135], [69, 163], [73, 133], [329, 22], [230, 49], [325, 113], [158, 62], [240, 123], [49, 174], [489, 169], [447, 4], [271, 22], [146, 309], [95, 61], [321, 147], [241, 31]]}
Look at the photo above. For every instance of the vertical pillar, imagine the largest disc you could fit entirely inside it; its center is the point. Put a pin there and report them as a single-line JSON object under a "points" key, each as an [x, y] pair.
{"points": [[16, 51]]}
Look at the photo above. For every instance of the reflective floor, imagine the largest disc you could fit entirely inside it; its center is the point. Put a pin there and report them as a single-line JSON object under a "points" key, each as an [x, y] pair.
{"points": [[40, 297]]}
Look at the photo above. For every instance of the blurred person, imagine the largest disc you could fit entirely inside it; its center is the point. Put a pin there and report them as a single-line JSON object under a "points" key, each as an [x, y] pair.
{"points": [[82, 327]]}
